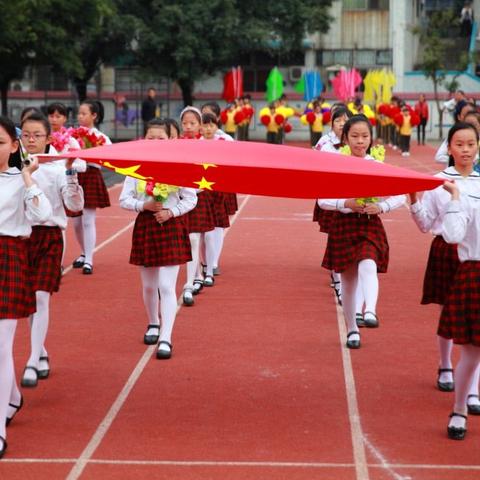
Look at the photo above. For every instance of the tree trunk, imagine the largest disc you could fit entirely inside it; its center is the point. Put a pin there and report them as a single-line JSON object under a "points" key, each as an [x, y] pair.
{"points": [[186, 85], [81, 87], [4, 96]]}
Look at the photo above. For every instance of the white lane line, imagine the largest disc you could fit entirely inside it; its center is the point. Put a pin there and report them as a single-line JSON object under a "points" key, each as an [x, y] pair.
{"points": [[383, 461], [109, 418], [194, 463], [359, 455]]}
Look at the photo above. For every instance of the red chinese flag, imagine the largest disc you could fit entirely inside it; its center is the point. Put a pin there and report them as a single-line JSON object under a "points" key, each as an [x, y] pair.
{"points": [[256, 168]]}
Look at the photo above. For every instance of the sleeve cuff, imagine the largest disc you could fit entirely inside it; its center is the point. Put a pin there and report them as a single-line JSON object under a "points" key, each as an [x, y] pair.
{"points": [[453, 206], [415, 207], [32, 192]]}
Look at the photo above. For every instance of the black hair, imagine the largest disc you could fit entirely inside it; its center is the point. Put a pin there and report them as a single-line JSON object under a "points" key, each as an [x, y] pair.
{"points": [[338, 105], [247, 97], [472, 113], [213, 106], [171, 122], [15, 159], [210, 118], [453, 130], [360, 118], [40, 118], [159, 122], [340, 112], [57, 107], [29, 110], [95, 107], [460, 106]]}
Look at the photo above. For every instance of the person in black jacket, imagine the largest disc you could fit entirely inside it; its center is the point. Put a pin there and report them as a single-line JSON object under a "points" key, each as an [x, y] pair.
{"points": [[149, 108]]}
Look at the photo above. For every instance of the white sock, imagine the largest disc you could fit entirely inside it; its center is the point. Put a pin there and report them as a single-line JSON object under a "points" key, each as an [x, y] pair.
{"points": [[464, 373], [368, 280], [359, 299], [219, 234], [210, 251], [193, 265], [39, 328], [78, 229], [474, 388], [150, 285], [349, 287], [8, 385], [168, 303], [445, 346], [89, 233]]}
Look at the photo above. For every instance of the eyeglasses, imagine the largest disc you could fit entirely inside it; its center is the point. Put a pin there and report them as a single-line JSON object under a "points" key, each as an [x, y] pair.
{"points": [[35, 136]]}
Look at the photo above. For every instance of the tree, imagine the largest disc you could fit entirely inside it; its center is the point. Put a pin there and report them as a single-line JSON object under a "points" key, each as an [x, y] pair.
{"points": [[435, 52], [187, 39]]}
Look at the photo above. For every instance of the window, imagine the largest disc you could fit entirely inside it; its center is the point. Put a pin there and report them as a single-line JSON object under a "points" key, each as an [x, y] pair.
{"points": [[365, 4], [365, 58], [384, 57]]}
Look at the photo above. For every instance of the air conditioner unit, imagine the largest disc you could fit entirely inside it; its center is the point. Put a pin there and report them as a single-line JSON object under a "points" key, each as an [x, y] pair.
{"points": [[295, 73]]}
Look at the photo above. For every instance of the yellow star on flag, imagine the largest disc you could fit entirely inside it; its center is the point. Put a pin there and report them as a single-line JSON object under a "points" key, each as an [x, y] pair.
{"points": [[127, 171], [204, 184], [207, 165]]}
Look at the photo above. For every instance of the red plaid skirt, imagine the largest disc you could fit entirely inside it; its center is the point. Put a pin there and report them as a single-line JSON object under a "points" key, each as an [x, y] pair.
{"points": [[441, 267], [45, 249], [95, 191], [201, 218], [17, 299], [460, 319], [324, 217], [159, 245], [220, 214], [231, 202], [354, 237]]}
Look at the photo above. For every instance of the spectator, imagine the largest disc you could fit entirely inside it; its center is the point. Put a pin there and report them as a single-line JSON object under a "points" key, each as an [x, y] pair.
{"points": [[466, 20], [421, 108], [150, 108]]}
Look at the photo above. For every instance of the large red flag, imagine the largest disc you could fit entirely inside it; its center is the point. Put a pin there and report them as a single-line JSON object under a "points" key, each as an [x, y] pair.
{"points": [[256, 168], [233, 84]]}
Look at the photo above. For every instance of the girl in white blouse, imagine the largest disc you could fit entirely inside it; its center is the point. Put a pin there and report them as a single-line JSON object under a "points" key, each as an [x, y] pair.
{"points": [[21, 203]]}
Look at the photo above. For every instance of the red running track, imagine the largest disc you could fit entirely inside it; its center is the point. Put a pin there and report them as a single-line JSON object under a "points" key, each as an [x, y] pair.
{"points": [[260, 385]]}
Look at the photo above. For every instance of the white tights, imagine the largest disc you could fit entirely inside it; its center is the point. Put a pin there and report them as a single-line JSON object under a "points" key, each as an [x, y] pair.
{"points": [[367, 287], [9, 392], [213, 248], [193, 267], [155, 281], [86, 232], [39, 328]]}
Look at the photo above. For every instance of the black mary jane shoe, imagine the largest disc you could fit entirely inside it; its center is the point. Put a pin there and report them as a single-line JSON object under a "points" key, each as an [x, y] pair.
{"points": [[151, 339], [359, 320], [17, 409], [457, 433], [164, 354], [197, 286], [354, 344], [28, 382], [78, 263], [4, 447], [44, 374], [87, 268], [208, 281], [370, 319], [473, 409], [445, 386]]}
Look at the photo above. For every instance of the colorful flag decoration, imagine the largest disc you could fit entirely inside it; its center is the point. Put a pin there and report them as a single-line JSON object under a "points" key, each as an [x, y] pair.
{"points": [[233, 84], [274, 85], [256, 168]]}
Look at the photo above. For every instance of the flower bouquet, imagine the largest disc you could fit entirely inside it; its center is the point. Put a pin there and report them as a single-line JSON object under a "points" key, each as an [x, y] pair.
{"points": [[87, 138], [159, 191], [61, 138]]}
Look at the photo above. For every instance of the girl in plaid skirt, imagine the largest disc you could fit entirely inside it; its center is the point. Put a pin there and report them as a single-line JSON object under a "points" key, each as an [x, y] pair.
{"points": [[21, 203], [94, 190], [357, 245], [45, 245], [443, 259], [199, 220], [460, 318], [160, 244], [331, 143]]}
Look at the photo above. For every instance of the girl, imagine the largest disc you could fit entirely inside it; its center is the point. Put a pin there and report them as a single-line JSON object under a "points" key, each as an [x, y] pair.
{"points": [[214, 238], [160, 244], [460, 318], [201, 218], [45, 245], [21, 202], [157, 129], [331, 143], [357, 245], [95, 192], [174, 129], [443, 259]]}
